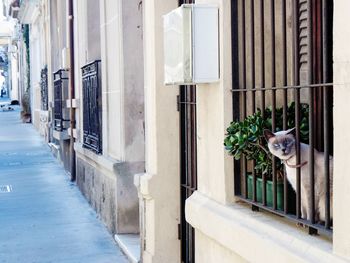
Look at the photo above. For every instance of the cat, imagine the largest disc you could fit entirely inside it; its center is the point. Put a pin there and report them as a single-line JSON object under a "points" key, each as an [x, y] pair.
{"points": [[282, 145]]}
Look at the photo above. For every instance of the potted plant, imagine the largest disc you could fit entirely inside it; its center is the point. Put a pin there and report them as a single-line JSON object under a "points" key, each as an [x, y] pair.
{"points": [[246, 138]]}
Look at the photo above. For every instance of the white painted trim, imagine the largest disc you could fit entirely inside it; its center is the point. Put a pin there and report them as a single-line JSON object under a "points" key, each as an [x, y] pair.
{"points": [[257, 237], [75, 103], [144, 183], [121, 84], [104, 78], [130, 245], [111, 125], [61, 136]]}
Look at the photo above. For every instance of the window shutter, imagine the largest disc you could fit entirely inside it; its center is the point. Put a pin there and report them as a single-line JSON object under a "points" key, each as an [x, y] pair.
{"points": [[303, 41]]}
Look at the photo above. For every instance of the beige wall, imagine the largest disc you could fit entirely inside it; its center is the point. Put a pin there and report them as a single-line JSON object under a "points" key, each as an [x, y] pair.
{"points": [[58, 30], [112, 58], [122, 63], [35, 72], [209, 251], [14, 76], [94, 30], [133, 119], [341, 58], [232, 232], [159, 187], [214, 113], [114, 36], [38, 60]]}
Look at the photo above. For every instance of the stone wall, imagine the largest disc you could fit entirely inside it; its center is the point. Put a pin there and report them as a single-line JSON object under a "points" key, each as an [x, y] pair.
{"points": [[100, 191], [109, 188]]}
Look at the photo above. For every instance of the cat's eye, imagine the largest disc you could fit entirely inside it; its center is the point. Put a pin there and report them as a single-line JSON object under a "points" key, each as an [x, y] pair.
{"points": [[289, 143], [276, 145]]}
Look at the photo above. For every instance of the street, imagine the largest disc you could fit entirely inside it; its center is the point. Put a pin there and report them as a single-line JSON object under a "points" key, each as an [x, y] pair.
{"points": [[43, 216]]}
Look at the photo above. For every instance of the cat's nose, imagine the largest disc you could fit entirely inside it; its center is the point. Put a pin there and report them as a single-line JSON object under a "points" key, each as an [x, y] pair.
{"points": [[283, 150]]}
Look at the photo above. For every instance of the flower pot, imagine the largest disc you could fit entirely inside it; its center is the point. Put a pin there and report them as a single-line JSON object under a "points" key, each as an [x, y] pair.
{"points": [[269, 191]]}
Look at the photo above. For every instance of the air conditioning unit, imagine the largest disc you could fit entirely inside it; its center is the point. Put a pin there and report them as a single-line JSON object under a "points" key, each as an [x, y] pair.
{"points": [[191, 45]]}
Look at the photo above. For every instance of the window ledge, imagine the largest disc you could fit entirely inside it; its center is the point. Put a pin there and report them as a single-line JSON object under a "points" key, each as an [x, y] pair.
{"points": [[61, 135], [93, 158], [256, 236]]}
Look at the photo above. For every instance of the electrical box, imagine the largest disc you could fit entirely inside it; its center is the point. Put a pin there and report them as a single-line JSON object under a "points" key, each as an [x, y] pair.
{"points": [[191, 45], [65, 58]]}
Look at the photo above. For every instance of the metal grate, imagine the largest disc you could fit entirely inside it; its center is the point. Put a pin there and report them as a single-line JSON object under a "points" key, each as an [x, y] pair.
{"points": [[61, 118], [5, 188], [276, 65], [92, 104], [44, 90], [188, 162]]}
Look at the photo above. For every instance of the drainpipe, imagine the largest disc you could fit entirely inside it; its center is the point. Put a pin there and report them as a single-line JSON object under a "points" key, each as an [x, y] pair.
{"points": [[71, 88]]}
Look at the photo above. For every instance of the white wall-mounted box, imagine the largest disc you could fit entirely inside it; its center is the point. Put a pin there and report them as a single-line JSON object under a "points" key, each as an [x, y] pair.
{"points": [[65, 58], [191, 45]]}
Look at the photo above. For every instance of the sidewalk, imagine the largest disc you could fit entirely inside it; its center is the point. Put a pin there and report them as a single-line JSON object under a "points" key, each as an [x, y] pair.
{"points": [[44, 218]]}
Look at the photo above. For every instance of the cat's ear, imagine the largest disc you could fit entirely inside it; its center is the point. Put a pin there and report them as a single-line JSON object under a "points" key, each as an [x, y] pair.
{"points": [[291, 131], [268, 134]]}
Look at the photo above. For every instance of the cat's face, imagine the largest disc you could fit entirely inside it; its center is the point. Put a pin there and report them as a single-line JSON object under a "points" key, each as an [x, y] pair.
{"points": [[281, 144]]}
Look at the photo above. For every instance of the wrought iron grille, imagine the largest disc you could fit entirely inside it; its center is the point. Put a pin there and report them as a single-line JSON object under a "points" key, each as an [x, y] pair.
{"points": [[61, 119], [44, 90], [283, 71], [188, 162], [92, 103]]}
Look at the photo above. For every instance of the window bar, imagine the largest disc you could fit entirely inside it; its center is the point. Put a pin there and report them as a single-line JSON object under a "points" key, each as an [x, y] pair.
{"points": [[303, 86], [244, 97], [297, 102], [244, 78], [326, 156], [285, 98], [326, 124], [194, 162], [235, 85], [311, 207], [187, 141], [284, 63], [252, 70], [273, 97], [194, 114], [262, 76], [317, 74]]}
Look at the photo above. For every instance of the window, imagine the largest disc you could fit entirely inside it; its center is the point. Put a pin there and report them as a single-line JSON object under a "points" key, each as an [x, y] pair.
{"points": [[44, 90], [283, 56], [92, 102], [61, 114]]}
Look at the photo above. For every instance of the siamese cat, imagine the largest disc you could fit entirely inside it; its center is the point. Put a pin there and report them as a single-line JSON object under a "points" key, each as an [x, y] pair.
{"points": [[282, 145]]}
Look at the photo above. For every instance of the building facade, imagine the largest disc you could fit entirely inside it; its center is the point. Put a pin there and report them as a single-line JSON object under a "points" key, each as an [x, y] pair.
{"points": [[85, 83], [151, 159], [9, 36], [109, 44], [225, 227]]}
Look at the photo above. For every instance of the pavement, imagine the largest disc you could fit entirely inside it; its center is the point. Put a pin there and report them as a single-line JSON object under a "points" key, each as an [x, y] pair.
{"points": [[43, 216]]}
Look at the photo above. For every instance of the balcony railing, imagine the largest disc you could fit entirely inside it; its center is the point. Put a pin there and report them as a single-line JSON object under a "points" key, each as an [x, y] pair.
{"points": [[61, 115], [44, 90], [92, 103], [282, 74]]}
